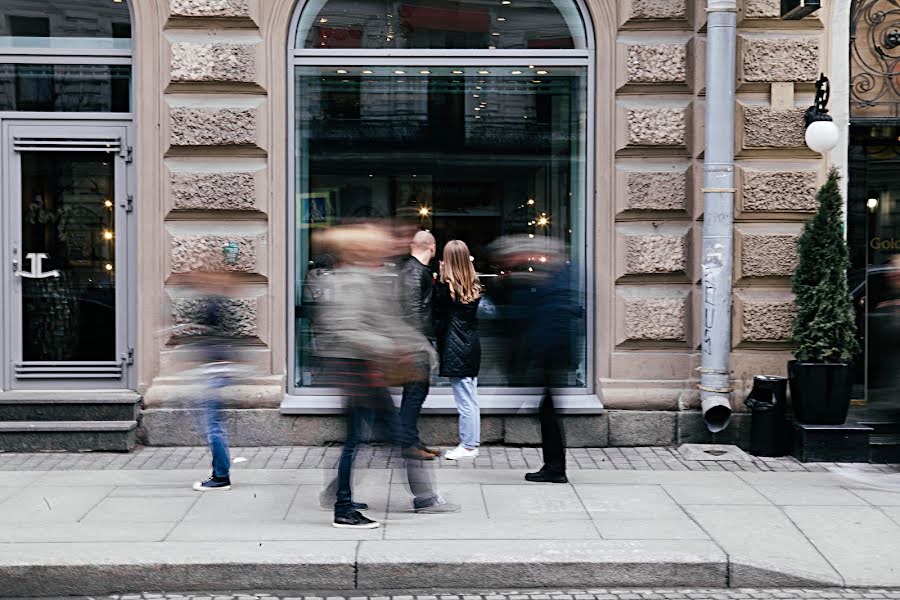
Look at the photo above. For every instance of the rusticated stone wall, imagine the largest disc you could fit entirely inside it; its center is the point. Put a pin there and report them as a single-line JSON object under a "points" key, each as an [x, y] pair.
{"points": [[659, 110], [215, 178]]}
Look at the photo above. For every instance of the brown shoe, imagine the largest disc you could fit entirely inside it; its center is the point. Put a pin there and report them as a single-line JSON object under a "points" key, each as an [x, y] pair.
{"points": [[430, 451], [417, 454]]}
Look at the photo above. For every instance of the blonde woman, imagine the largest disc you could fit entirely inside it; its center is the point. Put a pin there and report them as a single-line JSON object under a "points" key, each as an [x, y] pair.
{"points": [[455, 305]]}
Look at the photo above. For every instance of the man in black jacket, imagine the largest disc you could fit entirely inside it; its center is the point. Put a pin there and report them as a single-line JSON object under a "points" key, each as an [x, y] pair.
{"points": [[415, 295]]}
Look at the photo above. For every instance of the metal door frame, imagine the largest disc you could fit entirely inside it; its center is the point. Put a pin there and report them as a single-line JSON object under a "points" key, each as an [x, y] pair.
{"points": [[80, 130]]}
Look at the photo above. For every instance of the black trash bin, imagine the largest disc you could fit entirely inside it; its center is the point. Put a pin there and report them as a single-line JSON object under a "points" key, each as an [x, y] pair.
{"points": [[768, 405]]}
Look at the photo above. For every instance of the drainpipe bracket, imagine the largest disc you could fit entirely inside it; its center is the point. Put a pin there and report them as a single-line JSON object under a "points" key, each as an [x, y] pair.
{"points": [[718, 190]]}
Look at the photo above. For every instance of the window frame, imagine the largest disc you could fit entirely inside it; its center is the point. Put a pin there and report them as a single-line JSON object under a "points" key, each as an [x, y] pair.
{"points": [[495, 400]]}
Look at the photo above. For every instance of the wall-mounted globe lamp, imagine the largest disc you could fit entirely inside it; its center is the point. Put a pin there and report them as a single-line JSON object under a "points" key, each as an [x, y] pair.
{"points": [[821, 133]]}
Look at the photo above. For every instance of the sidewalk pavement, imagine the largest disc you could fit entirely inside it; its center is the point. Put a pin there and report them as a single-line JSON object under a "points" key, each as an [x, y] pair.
{"points": [[105, 531]]}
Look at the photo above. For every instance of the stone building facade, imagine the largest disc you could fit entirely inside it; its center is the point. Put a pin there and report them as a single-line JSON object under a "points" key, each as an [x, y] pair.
{"points": [[212, 164]]}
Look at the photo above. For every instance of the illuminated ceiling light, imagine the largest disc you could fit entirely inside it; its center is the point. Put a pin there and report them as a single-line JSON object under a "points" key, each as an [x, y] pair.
{"points": [[543, 221], [483, 72], [541, 72], [425, 72], [342, 71], [531, 269], [457, 72], [477, 87], [477, 116], [872, 203], [107, 203], [475, 95], [531, 201], [506, 2], [530, 66], [501, 19], [535, 81], [323, 20], [517, 72], [107, 234], [524, 116], [108, 267], [399, 72], [477, 108], [495, 33], [543, 259], [531, 235], [367, 72], [424, 211]]}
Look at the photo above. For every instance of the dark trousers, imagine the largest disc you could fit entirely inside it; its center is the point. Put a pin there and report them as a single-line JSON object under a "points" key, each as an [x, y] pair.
{"points": [[414, 395], [369, 407], [553, 436]]}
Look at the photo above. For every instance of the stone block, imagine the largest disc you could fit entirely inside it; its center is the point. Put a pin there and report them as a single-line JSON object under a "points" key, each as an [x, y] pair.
{"points": [[522, 431], [651, 314], [663, 125], [641, 428], [654, 10], [692, 429], [207, 252], [653, 63], [211, 8], [216, 190], [762, 9], [778, 190], [764, 127], [652, 250], [844, 443], [211, 125], [666, 189], [789, 59], [763, 317], [239, 316], [767, 253], [443, 430], [585, 431], [214, 62]]}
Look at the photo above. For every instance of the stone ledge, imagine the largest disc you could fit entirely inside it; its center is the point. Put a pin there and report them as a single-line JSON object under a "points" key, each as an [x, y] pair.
{"points": [[787, 59], [234, 9]]}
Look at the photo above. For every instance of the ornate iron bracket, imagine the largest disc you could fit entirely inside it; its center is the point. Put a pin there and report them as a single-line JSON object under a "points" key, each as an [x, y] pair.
{"points": [[819, 110]]}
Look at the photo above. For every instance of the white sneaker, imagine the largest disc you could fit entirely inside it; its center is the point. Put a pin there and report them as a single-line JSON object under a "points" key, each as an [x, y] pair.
{"points": [[461, 452]]}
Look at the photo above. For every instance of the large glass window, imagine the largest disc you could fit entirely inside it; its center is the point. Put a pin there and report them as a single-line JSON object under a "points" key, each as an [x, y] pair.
{"points": [[465, 146], [65, 24]]}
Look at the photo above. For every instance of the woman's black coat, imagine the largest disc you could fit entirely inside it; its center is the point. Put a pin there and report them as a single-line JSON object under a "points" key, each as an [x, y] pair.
{"points": [[457, 333]]}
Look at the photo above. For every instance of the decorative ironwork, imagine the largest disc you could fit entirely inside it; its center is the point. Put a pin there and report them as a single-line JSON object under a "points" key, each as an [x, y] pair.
{"points": [[875, 59]]}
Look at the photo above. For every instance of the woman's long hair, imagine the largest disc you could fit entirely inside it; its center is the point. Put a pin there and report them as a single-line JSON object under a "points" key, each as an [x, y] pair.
{"points": [[459, 274]]}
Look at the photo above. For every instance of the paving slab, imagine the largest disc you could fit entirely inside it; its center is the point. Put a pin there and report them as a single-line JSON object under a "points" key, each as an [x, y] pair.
{"points": [[810, 496], [36, 505], [715, 495], [650, 529], [717, 478], [174, 478], [402, 564], [862, 543], [310, 528], [102, 568], [796, 479], [764, 547], [879, 497], [533, 502], [468, 496], [460, 526], [604, 501], [127, 509], [19, 478], [245, 503], [893, 512], [64, 533]]}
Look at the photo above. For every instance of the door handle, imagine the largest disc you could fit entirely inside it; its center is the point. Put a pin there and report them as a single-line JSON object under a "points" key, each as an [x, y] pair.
{"points": [[36, 258]]}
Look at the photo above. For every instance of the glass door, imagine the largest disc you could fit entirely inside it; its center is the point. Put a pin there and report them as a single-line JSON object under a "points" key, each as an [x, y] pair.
{"points": [[67, 205]]}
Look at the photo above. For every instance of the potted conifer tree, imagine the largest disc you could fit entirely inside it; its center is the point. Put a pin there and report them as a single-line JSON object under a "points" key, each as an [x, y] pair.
{"points": [[824, 328]]}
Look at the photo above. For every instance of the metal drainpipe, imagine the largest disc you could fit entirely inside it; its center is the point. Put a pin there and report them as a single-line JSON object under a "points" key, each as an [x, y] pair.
{"points": [[718, 214]]}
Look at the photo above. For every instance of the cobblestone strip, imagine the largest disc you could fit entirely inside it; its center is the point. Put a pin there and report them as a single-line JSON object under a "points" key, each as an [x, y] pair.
{"points": [[319, 457], [539, 594]]}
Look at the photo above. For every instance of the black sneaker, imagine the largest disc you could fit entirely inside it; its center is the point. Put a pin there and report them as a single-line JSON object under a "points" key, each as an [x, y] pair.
{"points": [[543, 476], [213, 484], [354, 520]]}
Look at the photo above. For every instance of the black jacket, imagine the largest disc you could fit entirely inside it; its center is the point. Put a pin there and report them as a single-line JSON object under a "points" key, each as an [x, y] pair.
{"points": [[416, 294], [457, 329]]}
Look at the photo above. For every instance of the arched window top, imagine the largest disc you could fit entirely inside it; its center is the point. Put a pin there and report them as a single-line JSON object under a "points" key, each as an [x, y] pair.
{"points": [[68, 24], [441, 24]]}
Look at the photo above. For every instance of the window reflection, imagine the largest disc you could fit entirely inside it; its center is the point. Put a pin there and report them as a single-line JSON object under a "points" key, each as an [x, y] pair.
{"points": [[506, 24], [65, 88], [470, 153], [65, 24]]}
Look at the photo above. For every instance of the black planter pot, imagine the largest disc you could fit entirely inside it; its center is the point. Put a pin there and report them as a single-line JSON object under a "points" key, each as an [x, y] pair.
{"points": [[820, 392]]}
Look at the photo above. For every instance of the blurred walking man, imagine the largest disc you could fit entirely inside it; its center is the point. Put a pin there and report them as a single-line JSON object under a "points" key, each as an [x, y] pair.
{"points": [[415, 295]]}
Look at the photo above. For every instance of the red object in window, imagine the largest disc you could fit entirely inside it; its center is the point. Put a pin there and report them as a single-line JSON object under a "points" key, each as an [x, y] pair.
{"points": [[426, 17], [564, 43], [328, 37]]}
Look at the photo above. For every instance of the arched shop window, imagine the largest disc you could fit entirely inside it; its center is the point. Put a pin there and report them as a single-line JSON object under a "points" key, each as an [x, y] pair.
{"points": [[467, 118], [65, 56]]}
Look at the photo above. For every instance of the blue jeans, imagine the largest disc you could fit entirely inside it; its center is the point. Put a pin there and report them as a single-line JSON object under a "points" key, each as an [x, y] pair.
{"points": [[465, 392], [215, 432]]}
